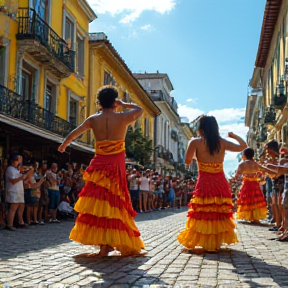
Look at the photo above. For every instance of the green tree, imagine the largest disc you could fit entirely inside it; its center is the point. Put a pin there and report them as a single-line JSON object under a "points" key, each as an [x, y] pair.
{"points": [[138, 146]]}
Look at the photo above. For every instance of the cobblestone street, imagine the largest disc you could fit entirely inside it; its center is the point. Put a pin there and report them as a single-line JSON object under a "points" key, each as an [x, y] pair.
{"points": [[43, 256]]}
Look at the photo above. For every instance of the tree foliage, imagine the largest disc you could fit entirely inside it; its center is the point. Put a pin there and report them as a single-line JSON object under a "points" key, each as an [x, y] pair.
{"points": [[138, 146]]}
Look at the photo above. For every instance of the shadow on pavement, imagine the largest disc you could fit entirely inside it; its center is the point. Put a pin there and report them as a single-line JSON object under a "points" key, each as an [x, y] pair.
{"points": [[34, 239], [128, 271], [251, 270], [155, 215]]}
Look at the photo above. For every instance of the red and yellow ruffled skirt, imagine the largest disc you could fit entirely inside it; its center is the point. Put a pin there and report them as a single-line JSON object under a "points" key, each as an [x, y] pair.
{"points": [[251, 204], [106, 216], [210, 220]]}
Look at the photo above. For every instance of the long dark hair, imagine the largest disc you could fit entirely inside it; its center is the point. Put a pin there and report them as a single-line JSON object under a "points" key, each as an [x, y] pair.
{"points": [[210, 130]]}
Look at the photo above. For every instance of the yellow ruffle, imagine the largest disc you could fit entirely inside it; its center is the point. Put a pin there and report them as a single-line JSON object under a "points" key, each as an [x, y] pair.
{"points": [[251, 179], [209, 227], [102, 208], [100, 178], [212, 208], [211, 200], [119, 239], [212, 242], [253, 214], [210, 167]]}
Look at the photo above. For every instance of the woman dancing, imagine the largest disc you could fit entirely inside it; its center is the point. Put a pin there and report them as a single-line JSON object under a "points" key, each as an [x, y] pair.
{"points": [[251, 204], [105, 211], [210, 218]]}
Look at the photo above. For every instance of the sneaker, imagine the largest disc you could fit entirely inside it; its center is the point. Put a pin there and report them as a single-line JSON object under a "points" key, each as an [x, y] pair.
{"points": [[273, 229], [140, 211], [55, 221], [41, 223]]}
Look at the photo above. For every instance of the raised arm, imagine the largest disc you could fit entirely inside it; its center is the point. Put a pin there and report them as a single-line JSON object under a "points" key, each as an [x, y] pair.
{"points": [[86, 125], [235, 147], [135, 111]]}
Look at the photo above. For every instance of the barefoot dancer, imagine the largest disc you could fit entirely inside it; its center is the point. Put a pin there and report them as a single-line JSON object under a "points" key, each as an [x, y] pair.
{"points": [[104, 206], [251, 204], [210, 217]]}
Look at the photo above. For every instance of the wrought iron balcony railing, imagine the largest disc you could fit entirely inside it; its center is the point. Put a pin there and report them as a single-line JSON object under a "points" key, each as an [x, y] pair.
{"points": [[13, 105], [32, 26]]}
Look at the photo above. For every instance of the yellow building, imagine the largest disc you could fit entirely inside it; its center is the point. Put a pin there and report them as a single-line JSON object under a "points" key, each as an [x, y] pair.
{"points": [[108, 68], [44, 67], [267, 107]]}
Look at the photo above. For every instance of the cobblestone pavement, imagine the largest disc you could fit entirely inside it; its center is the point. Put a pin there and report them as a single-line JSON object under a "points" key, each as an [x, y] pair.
{"points": [[43, 256]]}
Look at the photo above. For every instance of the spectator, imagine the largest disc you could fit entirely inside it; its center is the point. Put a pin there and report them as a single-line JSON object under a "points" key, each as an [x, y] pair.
{"points": [[15, 191], [53, 192], [44, 199]]}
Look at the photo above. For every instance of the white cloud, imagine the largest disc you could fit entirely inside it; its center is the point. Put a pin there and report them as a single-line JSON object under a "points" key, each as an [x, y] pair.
{"points": [[146, 27], [229, 120], [130, 10]]}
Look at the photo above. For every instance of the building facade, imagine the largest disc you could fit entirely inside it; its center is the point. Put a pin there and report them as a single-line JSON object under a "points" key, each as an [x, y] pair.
{"points": [[267, 110], [108, 68], [170, 136], [44, 68]]}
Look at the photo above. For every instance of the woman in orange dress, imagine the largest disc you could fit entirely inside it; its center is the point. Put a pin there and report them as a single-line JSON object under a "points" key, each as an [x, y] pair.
{"points": [[210, 217], [106, 216], [251, 204]]}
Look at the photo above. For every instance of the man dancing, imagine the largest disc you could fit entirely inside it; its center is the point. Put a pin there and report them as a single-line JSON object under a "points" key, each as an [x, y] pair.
{"points": [[105, 211]]}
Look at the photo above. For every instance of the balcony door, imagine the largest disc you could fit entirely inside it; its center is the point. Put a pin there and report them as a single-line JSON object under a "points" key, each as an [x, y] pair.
{"points": [[42, 8], [28, 82], [2, 65], [50, 97]]}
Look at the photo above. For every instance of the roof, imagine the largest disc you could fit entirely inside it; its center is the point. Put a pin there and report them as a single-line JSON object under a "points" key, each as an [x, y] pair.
{"points": [[153, 76], [270, 17], [101, 38]]}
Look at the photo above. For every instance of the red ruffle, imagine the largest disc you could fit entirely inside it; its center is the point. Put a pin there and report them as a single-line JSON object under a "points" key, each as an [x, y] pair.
{"points": [[250, 194], [105, 223], [197, 205], [209, 215], [93, 190], [212, 185]]}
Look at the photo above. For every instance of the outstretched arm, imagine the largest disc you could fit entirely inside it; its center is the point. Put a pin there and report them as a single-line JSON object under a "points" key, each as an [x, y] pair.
{"points": [[74, 134], [235, 147]]}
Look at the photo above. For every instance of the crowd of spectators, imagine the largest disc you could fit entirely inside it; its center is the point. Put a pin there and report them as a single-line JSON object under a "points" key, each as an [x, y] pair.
{"points": [[35, 194], [151, 191]]}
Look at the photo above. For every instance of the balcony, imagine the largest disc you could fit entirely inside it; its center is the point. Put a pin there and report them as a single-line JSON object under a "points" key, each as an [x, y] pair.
{"points": [[13, 105], [38, 39]]}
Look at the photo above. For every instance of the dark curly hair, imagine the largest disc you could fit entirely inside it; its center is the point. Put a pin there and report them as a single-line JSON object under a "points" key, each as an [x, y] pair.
{"points": [[106, 96], [208, 126], [248, 153]]}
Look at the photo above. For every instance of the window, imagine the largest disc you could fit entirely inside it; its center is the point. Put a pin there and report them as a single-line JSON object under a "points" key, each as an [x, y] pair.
{"points": [[73, 108], [109, 79], [50, 97], [2, 65], [28, 82], [73, 112], [126, 97], [146, 127], [69, 32], [80, 55], [42, 9]]}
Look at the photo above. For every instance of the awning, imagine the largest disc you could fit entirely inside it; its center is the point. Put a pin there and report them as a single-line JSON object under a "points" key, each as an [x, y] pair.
{"points": [[42, 133]]}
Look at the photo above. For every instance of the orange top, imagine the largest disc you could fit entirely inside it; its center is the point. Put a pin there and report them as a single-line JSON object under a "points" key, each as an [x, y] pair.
{"points": [[210, 167], [251, 178], [107, 147]]}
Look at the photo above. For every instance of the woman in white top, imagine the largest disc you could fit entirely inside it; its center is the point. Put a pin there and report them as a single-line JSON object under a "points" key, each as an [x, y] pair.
{"points": [[15, 190], [144, 189]]}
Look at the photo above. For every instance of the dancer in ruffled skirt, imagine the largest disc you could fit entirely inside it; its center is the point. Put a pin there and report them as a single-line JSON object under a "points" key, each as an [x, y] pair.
{"points": [[251, 204], [106, 216], [210, 217]]}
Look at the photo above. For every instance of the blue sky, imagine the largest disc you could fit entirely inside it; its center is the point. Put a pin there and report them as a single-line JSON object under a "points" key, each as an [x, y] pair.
{"points": [[207, 48]]}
